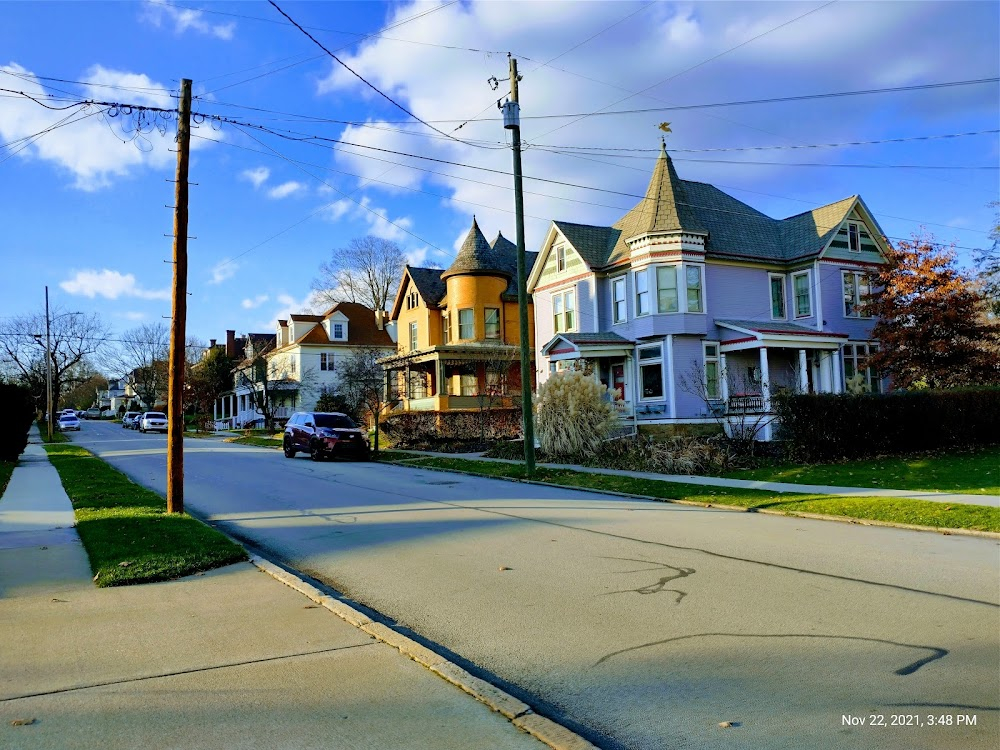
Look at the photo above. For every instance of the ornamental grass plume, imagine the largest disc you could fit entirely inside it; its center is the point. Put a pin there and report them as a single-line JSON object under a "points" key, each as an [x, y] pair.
{"points": [[574, 415]]}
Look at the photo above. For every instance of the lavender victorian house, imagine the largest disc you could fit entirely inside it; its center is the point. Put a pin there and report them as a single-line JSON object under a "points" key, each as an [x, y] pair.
{"points": [[694, 305]]}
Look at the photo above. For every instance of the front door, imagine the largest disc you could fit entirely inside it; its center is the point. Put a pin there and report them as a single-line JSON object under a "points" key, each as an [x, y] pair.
{"points": [[618, 381]]}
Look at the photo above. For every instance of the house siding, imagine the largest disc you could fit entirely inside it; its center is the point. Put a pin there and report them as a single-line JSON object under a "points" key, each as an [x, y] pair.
{"points": [[688, 365], [833, 303]]}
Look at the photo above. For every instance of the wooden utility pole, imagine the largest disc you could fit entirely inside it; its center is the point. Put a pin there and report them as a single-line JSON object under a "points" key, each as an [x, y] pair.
{"points": [[49, 406], [512, 121], [175, 400]]}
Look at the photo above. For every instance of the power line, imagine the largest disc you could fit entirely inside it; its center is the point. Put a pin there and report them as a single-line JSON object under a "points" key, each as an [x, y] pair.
{"points": [[365, 81]]}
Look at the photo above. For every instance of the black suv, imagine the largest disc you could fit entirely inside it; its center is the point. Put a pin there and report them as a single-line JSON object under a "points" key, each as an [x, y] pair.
{"points": [[324, 435]]}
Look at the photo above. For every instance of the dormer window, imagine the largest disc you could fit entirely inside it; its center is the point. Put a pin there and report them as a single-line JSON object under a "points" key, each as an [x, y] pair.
{"points": [[338, 330]]}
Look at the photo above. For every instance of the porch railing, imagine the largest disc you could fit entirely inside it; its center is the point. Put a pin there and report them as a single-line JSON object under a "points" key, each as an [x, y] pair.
{"points": [[623, 409], [746, 403]]}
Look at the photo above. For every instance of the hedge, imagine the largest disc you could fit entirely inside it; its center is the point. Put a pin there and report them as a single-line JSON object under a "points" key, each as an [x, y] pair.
{"points": [[823, 427], [18, 414], [417, 427]]}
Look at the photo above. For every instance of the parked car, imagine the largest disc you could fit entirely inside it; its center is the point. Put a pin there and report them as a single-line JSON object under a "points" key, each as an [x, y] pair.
{"points": [[324, 435], [69, 421], [93, 413], [153, 421], [129, 421]]}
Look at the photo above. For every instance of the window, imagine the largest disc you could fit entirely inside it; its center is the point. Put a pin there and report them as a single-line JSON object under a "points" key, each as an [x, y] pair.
{"points": [[466, 324], [413, 337], [856, 363], [853, 237], [803, 294], [412, 300], [712, 372], [325, 361], [561, 258], [651, 372], [777, 282], [446, 327], [469, 384], [338, 330], [564, 311], [693, 276], [492, 323], [856, 288], [641, 293], [619, 310], [666, 289]]}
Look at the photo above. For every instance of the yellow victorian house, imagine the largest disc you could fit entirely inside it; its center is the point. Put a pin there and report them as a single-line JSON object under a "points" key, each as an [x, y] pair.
{"points": [[458, 331]]}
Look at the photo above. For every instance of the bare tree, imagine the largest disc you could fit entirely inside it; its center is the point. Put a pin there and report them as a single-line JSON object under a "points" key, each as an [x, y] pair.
{"points": [[74, 337], [140, 360], [496, 361], [363, 383], [267, 379], [367, 271]]}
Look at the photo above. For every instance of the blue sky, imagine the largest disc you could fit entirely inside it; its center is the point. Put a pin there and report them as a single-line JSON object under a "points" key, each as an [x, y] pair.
{"points": [[84, 212]]}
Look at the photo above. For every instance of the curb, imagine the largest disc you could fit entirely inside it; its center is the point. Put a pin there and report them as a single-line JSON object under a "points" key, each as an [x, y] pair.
{"points": [[943, 531], [518, 712]]}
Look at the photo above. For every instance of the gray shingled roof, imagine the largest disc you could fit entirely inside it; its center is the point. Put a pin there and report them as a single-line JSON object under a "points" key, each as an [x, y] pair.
{"points": [[477, 256], [595, 338], [734, 229], [775, 326], [429, 284]]}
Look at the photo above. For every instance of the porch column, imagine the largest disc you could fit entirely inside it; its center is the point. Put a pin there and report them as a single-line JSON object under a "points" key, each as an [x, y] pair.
{"points": [[215, 409], [803, 372], [765, 380], [723, 379], [826, 373], [838, 385]]}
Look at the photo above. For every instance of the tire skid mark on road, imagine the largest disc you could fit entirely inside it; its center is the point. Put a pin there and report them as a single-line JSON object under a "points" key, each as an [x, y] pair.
{"points": [[936, 652]]}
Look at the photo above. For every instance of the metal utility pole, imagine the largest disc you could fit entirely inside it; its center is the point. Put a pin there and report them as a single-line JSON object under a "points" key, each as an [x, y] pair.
{"points": [[49, 406], [512, 122], [175, 400]]}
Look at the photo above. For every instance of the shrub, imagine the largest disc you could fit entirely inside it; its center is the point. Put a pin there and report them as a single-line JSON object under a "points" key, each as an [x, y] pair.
{"points": [[18, 415], [574, 415], [680, 455], [417, 429], [821, 427]]}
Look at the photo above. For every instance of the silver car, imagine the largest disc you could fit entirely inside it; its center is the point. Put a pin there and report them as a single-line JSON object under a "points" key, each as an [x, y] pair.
{"points": [[69, 422], [153, 421]]}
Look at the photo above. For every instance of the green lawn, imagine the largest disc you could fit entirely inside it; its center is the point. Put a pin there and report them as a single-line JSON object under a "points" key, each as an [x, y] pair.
{"points": [[258, 440], [128, 535], [890, 510], [974, 472]]}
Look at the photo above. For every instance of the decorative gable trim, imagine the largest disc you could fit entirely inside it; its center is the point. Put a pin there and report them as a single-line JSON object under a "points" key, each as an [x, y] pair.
{"points": [[865, 216]]}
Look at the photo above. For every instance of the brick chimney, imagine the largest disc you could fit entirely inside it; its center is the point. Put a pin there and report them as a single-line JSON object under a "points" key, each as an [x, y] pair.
{"points": [[211, 343], [230, 343], [380, 319]]}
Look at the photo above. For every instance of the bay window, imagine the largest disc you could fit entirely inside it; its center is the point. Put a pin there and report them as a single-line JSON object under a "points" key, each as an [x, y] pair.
{"points": [[492, 323], [666, 289], [694, 296], [641, 292], [466, 324]]}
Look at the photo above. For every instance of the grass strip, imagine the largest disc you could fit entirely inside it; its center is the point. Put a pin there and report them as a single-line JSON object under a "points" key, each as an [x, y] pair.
{"points": [[260, 442], [972, 472], [884, 509], [125, 528]]}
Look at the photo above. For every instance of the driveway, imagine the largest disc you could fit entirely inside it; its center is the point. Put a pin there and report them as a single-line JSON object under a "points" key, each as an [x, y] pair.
{"points": [[639, 624]]}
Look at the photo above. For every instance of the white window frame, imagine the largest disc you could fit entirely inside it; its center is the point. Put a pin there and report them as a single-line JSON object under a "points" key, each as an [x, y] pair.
{"points": [[865, 349], [623, 280], [560, 310], [486, 322], [472, 324], [446, 327], [560, 258], [706, 358], [795, 294], [784, 294], [856, 226], [701, 288], [414, 337], [338, 331], [644, 274], [651, 362], [677, 289], [857, 278]]}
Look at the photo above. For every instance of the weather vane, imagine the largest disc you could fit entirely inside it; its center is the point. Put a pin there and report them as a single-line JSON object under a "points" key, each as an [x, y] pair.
{"points": [[665, 127]]}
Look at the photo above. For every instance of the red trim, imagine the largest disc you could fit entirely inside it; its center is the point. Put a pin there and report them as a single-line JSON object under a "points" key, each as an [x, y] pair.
{"points": [[563, 350], [740, 341], [559, 283], [801, 333]]}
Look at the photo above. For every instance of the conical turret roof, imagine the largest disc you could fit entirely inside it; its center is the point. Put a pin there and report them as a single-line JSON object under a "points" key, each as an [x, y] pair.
{"points": [[666, 207], [477, 257]]}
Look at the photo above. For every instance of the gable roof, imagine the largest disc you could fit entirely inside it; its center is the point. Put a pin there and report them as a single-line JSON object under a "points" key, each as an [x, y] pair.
{"points": [[361, 329], [732, 228]]}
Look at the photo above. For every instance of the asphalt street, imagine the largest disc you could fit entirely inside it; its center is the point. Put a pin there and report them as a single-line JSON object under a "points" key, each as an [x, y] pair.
{"points": [[638, 624]]}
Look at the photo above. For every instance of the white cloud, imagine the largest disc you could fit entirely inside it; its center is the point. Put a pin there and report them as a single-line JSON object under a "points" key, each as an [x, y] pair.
{"points": [[224, 269], [251, 303], [258, 176], [156, 12], [380, 223], [134, 315], [289, 305], [92, 146], [110, 285], [285, 189]]}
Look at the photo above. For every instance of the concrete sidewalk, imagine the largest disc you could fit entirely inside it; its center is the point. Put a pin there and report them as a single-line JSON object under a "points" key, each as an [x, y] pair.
{"points": [[232, 658], [749, 484]]}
